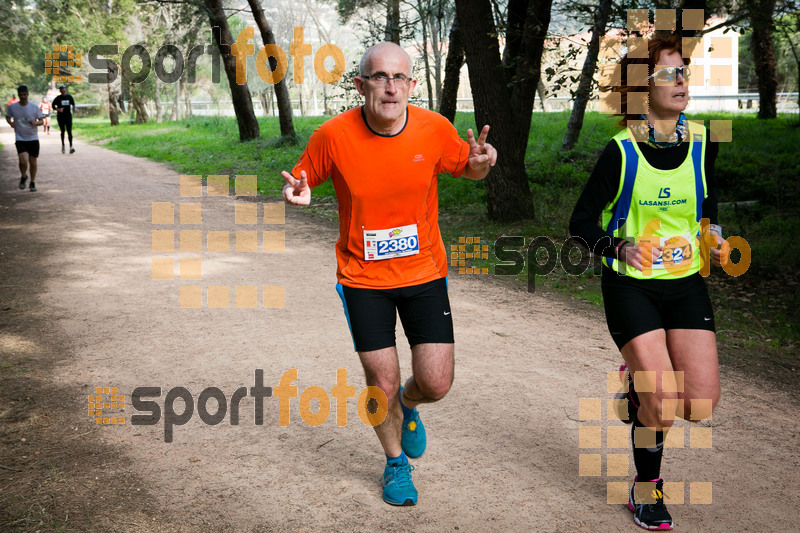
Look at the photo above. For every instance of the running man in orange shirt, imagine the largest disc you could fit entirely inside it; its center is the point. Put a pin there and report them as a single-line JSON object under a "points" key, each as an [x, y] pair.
{"points": [[45, 108], [383, 159]]}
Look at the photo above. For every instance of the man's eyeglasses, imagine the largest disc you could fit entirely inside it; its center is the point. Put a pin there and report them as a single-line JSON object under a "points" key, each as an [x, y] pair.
{"points": [[383, 80], [670, 74]]}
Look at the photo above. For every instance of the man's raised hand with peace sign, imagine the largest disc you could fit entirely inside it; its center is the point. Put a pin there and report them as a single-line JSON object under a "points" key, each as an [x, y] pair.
{"points": [[296, 192], [482, 155]]}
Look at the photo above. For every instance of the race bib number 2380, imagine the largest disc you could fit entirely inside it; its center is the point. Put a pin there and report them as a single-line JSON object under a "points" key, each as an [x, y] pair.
{"points": [[392, 242]]}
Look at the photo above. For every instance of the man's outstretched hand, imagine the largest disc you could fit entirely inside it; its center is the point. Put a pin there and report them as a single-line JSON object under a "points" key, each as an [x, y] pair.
{"points": [[482, 155], [296, 192]]}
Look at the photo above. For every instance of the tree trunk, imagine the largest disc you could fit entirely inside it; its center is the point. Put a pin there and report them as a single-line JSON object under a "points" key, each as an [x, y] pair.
{"points": [[587, 77], [187, 99], [392, 31], [788, 36], [541, 92], [452, 73], [326, 100], [281, 90], [437, 53], [262, 96], [423, 15], [159, 118], [764, 56], [176, 112], [240, 94], [113, 112], [138, 104], [300, 96], [505, 101]]}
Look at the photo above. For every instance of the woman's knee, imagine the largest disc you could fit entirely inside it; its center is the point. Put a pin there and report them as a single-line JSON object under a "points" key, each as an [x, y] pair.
{"points": [[658, 409]]}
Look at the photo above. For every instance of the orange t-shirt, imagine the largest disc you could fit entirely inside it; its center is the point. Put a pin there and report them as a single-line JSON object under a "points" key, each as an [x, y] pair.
{"points": [[384, 182]]}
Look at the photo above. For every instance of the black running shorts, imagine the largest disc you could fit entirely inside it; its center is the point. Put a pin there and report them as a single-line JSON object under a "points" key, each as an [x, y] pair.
{"points": [[635, 306], [372, 314], [32, 147]]}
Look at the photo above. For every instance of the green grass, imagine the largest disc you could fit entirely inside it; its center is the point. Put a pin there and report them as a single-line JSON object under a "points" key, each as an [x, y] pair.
{"points": [[760, 164], [210, 145]]}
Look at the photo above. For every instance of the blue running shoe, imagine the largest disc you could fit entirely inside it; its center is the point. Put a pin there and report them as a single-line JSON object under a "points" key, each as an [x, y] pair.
{"points": [[413, 439], [398, 489]]}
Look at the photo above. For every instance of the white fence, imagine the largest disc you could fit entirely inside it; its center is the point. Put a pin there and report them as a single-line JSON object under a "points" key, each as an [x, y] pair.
{"points": [[742, 103]]}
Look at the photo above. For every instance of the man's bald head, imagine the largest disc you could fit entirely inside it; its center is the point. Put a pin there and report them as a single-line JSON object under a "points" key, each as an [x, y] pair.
{"points": [[380, 49]]}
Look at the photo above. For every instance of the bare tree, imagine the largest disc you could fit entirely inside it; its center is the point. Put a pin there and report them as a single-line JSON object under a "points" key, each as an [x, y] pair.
{"points": [[439, 20], [452, 73], [187, 103], [503, 90], [157, 101], [392, 32], [240, 94], [789, 28], [113, 93], [281, 90], [266, 99], [431, 15], [423, 11], [584, 91], [757, 16], [761, 12], [139, 105], [326, 35], [176, 100]]}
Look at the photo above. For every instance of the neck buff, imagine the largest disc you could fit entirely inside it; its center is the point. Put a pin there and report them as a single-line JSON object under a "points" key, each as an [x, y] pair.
{"points": [[657, 140]]}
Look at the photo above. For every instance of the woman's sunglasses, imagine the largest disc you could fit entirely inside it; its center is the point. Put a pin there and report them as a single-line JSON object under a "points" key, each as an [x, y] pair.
{"points": [[670, 74]]}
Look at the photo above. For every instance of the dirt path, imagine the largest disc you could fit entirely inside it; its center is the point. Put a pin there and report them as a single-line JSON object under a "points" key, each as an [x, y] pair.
{"points": [[79, 309]]}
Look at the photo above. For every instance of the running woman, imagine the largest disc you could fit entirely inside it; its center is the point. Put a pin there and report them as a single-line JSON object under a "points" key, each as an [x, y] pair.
{"points": [[44, 107], [656, 177], [64, 105], [383, 159]]}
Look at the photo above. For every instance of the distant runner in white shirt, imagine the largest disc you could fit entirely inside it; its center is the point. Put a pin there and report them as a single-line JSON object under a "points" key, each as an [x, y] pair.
{"points": [[25, 118]]}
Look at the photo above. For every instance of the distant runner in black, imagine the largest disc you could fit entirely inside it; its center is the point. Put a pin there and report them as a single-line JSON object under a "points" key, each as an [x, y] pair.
{"points": [[64, 105]]}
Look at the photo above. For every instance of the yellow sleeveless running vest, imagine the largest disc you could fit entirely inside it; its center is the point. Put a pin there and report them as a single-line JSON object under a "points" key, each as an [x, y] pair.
{"points": [[663, 204]]}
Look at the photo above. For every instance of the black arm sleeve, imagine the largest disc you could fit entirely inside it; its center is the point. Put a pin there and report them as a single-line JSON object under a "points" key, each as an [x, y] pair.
{"points": [[710, 203], [599, 191]]}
